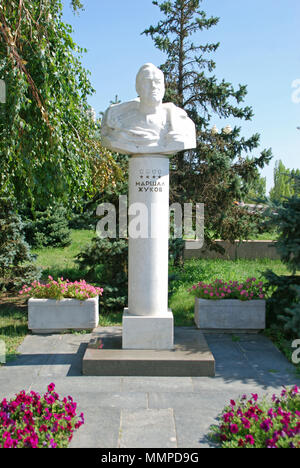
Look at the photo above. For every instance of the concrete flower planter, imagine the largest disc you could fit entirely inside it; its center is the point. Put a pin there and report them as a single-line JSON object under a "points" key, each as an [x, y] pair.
{"points": [[230, 315], [50, 315]]}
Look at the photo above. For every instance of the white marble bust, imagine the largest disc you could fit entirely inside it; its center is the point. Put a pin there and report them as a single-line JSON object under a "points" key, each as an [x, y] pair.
{"points": [[145, 124]]}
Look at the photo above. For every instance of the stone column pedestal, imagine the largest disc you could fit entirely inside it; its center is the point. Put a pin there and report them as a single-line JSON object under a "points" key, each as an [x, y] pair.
{"points": [[147, 322]]}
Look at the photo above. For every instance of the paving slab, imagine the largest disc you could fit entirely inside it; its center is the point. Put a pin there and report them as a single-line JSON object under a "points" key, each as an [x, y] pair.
{"points": [[148, 428], [157, 384], [148, 411], [193, 426], [100, 429]]}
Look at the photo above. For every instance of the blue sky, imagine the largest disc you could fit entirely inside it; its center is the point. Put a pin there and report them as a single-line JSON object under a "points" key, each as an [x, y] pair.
{"points": [[259, 47]]}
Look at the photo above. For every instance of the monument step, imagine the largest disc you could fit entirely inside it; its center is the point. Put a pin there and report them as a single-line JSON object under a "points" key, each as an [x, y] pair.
{"points": [[191, 356]]}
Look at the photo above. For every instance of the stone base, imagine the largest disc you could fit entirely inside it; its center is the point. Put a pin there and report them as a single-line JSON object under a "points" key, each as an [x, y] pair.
{"points": [[191, 356], [55, 316], [148, 331], [230, 314]]}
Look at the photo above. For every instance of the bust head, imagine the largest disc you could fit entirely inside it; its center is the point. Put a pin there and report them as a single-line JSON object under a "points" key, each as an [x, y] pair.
{"points": [[147, 125], [150, 85]]}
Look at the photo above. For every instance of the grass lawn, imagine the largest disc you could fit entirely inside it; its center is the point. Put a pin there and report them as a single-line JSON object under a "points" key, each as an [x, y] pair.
{"points": [[13, 323], [60, 262]]}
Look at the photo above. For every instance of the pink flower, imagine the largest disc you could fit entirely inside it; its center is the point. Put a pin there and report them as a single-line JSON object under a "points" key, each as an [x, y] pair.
{"points": [[249, 439], [228, 417], [43, 428], [246, 423], [234, 429]]}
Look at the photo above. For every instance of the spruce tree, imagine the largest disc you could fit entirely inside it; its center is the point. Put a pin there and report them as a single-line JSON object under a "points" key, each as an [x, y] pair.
{"points": [[16, 262], [284, 304], [286, 216], [222, 166]]}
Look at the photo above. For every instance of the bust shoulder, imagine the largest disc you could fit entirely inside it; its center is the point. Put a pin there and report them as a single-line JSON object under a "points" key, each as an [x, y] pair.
{"points": [[175, 111], [116, 112]]}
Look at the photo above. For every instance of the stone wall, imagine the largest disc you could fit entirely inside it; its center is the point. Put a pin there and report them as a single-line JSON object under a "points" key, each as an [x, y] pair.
{"points": [[246, 249]]}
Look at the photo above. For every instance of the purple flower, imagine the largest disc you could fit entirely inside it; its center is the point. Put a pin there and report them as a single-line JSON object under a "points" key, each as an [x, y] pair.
{"points": [[266, 424]]}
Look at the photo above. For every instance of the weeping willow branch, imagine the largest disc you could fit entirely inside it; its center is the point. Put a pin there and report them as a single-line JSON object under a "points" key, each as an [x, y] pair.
{"points": [[11, 41]]}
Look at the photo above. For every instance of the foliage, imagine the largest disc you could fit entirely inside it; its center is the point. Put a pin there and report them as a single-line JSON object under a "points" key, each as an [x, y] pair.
{"points": [[291, 318], [48, 228], [283, 182], [287, 220], [176, 251], [283, 306], [84, 216], [282, 295], [248, 423], [49, 144], [220, 169], [30, 420], [220, 289], [105, 262], [257, 189], [16, 261], [61, 289]]}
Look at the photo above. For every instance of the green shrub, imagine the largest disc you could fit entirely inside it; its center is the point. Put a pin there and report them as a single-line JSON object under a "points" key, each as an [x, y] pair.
{"points": [[291, 318], [283, 306], [50, 228], [105, 263], [16, 262], [282, 295]]}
